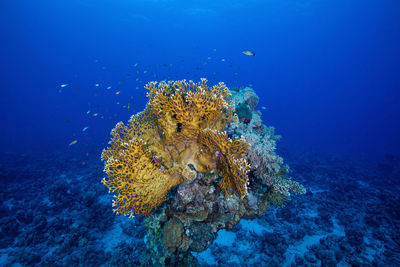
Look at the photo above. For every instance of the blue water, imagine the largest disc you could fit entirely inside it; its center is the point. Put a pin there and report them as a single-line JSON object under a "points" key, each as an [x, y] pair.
{"points": [[327, 73]]}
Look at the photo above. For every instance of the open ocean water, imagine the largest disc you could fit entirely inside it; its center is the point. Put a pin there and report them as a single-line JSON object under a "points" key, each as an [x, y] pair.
{"points": [[326, 75]]}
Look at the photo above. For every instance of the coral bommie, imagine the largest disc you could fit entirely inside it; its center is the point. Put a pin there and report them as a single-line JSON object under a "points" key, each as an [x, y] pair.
{"points": [[179, 133]]}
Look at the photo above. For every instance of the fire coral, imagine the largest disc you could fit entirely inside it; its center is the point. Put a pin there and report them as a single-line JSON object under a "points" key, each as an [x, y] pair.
{"points": [[180, 132]]}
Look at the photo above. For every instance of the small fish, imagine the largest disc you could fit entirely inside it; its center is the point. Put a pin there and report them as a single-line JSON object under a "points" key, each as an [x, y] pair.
{"points": [[263, 107], [64, 85], [88, 112], [223, 60], [97, 85], [84, 129], [109, 87], [215, 49], [217, 154], [249, 53], [135, 65], [145, 71], [73, 142], [118, 92], [95, 114]]}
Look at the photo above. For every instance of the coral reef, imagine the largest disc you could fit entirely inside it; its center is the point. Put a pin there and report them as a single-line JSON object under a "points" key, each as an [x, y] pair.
{"points": [[177, 135], [210, 142], [50, 202]]}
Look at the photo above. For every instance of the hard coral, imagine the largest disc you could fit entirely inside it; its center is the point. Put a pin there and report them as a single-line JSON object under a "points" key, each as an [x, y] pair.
{"points": [[141, 186], [183, 108], [231, 163], [177, 135]]}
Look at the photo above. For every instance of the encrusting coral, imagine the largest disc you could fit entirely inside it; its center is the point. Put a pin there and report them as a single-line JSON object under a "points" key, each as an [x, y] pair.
{"points": [[179, 133]]}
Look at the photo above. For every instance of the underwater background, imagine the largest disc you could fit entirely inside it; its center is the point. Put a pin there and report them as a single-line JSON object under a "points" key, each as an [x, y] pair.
{"points": [[327, 74]]}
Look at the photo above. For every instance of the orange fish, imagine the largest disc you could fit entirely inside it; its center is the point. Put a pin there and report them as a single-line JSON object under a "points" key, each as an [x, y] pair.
{"points": [[249, 53], [117, 93], [73, 142]]}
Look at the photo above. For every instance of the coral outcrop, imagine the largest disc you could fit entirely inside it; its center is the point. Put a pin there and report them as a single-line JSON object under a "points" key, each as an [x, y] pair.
{"points": [[201, 159], [178, 135]]}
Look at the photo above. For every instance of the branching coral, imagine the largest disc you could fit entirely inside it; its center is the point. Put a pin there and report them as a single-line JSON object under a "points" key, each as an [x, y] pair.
{"points": [[281, 183], [177, 134], [267, 165]]}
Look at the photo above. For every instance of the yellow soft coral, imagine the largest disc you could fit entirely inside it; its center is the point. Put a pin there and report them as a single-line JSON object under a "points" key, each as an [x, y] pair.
{"points": [[180, 129]]}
